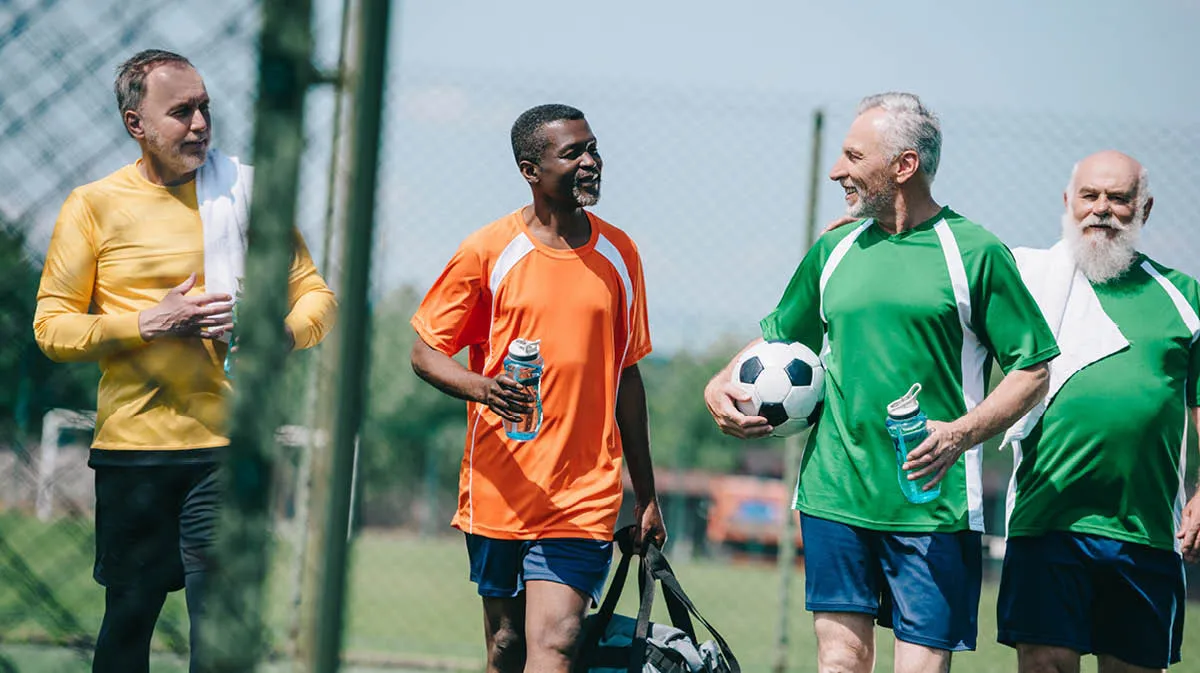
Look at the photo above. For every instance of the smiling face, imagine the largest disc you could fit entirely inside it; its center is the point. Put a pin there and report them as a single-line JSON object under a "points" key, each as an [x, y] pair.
{"points": [[568, 171], [865, 169], [1104, 194], [173, 122], [1104, 214]]}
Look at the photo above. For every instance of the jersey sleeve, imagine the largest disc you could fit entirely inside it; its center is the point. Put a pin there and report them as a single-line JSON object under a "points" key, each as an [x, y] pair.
{"points": [[455, 312], [63, 325], [797, 317], [1005, 316], [638, 345], [1191, 292], [1193, 378], [313, 307]]}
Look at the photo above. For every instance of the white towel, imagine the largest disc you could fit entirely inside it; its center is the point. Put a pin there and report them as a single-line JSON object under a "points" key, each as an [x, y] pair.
{"points": [[1084, 332], [223, 188]]}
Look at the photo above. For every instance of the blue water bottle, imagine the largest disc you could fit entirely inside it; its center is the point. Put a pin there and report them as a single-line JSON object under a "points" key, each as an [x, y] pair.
{"points": [[230, 356], [907, 426], [524, 364]]}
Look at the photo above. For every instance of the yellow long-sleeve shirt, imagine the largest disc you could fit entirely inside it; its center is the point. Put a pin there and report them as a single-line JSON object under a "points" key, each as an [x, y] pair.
{"points": [[119, 245]]}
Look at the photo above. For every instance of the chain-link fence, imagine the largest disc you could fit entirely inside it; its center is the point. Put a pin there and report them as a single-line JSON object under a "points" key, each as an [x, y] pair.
{"points": [[711, 183]]}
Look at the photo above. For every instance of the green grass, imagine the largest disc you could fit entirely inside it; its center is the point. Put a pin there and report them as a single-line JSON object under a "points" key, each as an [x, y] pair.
{"points": [[410, 600]]}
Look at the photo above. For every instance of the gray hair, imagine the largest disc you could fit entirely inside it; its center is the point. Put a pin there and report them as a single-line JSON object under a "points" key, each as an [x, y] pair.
{"points": [[130, 85], [908, 125], [1143, 187]]}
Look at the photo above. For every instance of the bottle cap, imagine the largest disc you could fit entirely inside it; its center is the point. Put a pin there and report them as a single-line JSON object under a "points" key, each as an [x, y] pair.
{"points": [[907, 405], [525, 349]]}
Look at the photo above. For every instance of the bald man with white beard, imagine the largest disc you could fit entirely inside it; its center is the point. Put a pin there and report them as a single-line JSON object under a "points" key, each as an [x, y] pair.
{"points": [[1098, 528]]}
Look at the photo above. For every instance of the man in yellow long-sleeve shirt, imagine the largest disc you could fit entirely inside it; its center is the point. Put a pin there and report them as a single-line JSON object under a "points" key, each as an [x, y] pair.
{"points": [[124, 284]]}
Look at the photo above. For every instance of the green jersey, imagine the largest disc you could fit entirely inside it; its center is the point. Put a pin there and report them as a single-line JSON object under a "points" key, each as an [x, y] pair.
{"points": [[935, 304], [1106, 457]]}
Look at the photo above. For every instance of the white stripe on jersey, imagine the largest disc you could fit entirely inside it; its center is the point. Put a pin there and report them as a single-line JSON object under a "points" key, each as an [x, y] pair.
{"points": [[610, 252], [1193, 324], [974, 357], [514, 252], [1185, 310], [835, 258]]}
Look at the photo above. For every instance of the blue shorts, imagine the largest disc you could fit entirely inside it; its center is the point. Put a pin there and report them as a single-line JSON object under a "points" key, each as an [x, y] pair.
{"points": [[1095, 595], [502, 567], [923, 586]]}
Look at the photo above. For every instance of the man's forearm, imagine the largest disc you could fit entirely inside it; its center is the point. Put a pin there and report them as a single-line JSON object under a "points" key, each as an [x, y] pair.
{"points": [[1013, 398], [446, 374], [312, 316], [634, 424], [74, 337]]}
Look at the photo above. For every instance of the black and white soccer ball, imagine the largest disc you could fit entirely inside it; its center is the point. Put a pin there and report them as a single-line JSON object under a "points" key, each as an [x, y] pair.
{"points": [[786, 382]]}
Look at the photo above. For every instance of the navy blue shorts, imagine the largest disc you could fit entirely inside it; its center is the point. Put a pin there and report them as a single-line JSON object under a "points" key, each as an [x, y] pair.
{"points": [[1095, 595], [923, 586], [502, 567]]}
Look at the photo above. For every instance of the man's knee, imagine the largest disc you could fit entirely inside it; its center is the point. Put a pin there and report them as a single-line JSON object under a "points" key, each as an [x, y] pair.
{"points": [[558, 637], [845, 642], [507, 652], [1046, 659], [845, 657]]}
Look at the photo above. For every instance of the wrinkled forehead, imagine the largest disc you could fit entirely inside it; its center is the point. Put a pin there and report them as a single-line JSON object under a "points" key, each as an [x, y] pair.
{"points": [[864, 133], [1111, 175], [567, 132], [172, 83]]}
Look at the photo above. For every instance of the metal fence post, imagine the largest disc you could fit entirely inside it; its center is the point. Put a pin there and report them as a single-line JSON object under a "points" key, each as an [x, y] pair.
{"points": [[793, 445], [233, 633], [353, 345]]}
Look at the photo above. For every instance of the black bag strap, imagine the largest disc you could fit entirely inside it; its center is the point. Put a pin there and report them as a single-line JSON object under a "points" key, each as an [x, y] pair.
{"points": [[660, 570], [599, 624], [652, 569]]}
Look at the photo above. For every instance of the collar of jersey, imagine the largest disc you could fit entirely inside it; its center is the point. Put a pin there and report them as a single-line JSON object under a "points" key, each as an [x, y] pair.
{"points": [[924, 226], [568, 253]]}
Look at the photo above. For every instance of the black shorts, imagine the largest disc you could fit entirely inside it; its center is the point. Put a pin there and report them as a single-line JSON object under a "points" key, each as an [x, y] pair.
{"points": [[154, 523]]}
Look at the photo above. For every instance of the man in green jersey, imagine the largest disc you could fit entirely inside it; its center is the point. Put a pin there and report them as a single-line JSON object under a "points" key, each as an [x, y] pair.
{"points": [[1098, 524], [911, 293]]}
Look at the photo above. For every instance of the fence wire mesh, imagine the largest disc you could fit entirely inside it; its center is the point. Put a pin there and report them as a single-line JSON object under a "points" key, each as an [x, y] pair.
{"points": [[710, 183]]}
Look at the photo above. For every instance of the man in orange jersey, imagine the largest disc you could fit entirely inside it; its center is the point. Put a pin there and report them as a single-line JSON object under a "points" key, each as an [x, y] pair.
{"points": [[539, 514], [124, 283]]}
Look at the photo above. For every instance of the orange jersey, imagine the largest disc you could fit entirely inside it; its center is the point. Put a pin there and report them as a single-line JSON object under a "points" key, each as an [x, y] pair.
{"points": [[588, 307]]}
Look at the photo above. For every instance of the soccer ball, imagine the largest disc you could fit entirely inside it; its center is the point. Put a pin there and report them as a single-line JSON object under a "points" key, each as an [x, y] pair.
{"points": [[786, 382]]}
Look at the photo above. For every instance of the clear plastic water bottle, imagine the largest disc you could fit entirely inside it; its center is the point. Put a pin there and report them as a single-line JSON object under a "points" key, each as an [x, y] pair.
{"points": [[524, 364], [908, 427], [230, 356]]}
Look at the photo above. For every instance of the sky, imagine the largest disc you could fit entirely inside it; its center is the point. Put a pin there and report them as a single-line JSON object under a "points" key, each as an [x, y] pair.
{"points": [[703, 112]]}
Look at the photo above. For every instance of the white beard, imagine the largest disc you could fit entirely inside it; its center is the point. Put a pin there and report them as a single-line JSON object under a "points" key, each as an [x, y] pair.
{"points": [[1100, 258]]}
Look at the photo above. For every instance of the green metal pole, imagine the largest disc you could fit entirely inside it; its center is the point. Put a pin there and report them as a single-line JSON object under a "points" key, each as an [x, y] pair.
{"points": [[793, 445], [233, 632], [351, 389]]}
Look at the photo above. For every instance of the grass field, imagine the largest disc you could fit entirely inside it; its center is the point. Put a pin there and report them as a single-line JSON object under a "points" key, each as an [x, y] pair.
{"points": [[410, 602]]}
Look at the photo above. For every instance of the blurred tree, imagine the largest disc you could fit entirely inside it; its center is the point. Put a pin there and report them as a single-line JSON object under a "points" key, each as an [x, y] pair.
{"points": [[34, 383], [412, 435], [683, 435]]}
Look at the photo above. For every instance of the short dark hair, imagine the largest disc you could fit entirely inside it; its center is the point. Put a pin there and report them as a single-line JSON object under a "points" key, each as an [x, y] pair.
{"points": [[528, 141], [130, 85]]}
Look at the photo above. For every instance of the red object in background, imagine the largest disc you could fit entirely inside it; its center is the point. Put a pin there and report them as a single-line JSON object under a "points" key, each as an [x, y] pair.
{"points": [[747, 512]]}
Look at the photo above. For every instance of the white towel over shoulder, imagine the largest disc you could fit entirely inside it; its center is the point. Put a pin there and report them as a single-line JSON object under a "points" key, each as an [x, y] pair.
{"points": [[1084, 332], [223, 188]]}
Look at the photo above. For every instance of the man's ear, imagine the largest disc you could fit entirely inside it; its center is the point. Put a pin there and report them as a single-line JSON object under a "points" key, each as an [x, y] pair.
{"points": [[529, 171], [1146, 210], [133, 124], [907, 165]]}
